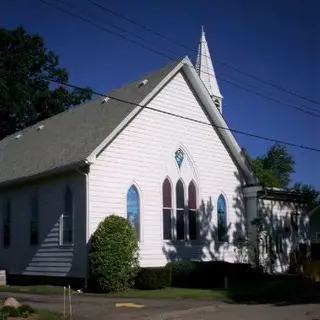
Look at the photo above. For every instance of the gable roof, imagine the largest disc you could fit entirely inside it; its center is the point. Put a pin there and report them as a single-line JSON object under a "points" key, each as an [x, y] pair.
{"points": [[75, 137], [70, 137]]}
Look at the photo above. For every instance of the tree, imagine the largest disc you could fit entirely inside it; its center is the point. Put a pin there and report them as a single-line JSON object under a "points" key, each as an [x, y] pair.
{"points": [[310, 193], [26, 96], [274, 168]]}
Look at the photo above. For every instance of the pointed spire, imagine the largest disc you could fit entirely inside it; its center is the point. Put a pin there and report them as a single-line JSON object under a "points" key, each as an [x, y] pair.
{"points": [[206, 72]]}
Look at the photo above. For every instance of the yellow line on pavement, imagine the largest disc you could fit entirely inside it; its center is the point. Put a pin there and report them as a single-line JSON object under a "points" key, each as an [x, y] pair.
{"points": [[129, 305]]}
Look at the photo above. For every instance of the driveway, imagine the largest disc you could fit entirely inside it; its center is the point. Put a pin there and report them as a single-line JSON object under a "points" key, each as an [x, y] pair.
{"points": [[97, 307]]}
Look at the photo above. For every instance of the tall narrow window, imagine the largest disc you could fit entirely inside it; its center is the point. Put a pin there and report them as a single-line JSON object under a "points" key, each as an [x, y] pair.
{"points": [[7, 224], [180, 210], [34, 220], [279, 244], [222, 219], [192, 197], [133, 209], [167, 210], [67, 218]]}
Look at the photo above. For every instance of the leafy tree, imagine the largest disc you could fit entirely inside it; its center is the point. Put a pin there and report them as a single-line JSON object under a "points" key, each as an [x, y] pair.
{"points": [[312, 195], [274, 168], [113, 255], [26, 97]]}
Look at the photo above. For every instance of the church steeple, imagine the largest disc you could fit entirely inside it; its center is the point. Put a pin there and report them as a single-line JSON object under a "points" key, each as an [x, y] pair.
{"points": [[206, 72]]}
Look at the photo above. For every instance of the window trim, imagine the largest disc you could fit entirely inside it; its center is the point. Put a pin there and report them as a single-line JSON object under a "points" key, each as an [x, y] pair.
{"points": [[61, 220]]}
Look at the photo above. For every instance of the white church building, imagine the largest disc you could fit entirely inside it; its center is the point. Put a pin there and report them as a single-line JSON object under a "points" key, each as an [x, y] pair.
{"points": [[157, 151]]}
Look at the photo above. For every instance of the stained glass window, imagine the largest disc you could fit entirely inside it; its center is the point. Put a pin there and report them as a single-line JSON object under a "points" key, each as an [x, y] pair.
{"points": [[222, 219], [167, 210], [133, 208], [192, 197], [180, 210], [179, 155]]}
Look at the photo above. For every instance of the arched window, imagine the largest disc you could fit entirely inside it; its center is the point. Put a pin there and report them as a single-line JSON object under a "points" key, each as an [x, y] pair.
{"points": [[179, 156], [34, 220], [67, 231], [7, 224], [180, 210], [192, 201], [222, 219], [133, 208], [167, 210]]}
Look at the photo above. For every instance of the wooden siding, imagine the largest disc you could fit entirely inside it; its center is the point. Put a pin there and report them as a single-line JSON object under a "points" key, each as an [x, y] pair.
{"points": [[276, 215], [144, 154], [48, 258]]}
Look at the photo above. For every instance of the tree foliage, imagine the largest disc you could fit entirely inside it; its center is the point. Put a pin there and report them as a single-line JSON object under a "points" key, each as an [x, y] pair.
{"points": [[274, 168], [113, 255], [310, 193], [26, 97]]}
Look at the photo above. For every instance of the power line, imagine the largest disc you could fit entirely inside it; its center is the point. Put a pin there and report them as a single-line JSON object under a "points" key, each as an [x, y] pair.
{"points": [[115, 26], [192, 49], [189, 119], [174, 59]]}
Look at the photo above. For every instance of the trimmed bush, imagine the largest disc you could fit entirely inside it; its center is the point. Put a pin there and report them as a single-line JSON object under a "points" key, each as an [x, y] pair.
{"points": [[153, 278], [207, 275], [182, 273], [113, 255]]}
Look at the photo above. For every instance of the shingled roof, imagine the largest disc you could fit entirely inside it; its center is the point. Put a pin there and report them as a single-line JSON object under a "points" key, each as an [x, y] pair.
{"points": [[70, 137]]}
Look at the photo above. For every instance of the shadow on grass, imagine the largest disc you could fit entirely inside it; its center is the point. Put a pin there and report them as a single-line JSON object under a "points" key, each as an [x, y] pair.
{"points": [[279, 290]]}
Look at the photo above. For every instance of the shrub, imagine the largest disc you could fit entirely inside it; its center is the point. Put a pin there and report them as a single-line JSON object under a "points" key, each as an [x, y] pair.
{"points": [[10, 311], [113, 255], [311, 270], [182, 273], [206, 275], [26, 310], [153, 278]]}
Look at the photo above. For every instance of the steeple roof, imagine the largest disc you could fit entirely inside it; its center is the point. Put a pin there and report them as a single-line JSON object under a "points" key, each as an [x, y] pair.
{"points": [[205, 69]]}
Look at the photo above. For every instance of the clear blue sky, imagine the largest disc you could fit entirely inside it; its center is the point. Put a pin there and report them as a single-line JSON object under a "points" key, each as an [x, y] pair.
{"points": [[274, 40]]}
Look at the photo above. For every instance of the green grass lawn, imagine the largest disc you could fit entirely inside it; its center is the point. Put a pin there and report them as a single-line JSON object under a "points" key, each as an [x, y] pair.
{"points": [[34, 289], [48, 315], [273, 288], [172, 293]]}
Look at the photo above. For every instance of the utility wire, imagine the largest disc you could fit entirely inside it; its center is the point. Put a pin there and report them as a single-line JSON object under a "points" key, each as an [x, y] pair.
{"points": [[192, 49], [114, 26], [187, 118], [174, 59]]}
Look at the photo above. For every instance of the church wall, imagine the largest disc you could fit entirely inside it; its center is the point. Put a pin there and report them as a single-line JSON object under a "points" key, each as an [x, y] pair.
{"points": [[48, 258], [143, 154]]}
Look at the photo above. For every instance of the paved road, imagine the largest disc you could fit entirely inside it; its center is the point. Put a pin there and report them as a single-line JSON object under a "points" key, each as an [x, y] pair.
{"points": [[89, 307]]}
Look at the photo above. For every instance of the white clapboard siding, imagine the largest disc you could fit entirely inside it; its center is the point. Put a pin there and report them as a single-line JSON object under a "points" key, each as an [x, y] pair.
{"points": [[143, 154], [48, 258]]}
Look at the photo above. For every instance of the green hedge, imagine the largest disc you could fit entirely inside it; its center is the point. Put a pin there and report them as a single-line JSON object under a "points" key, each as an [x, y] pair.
{"points": [[193, 274], [205, 275], [153, 278]]}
